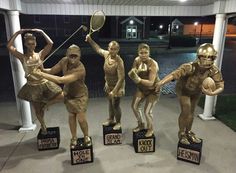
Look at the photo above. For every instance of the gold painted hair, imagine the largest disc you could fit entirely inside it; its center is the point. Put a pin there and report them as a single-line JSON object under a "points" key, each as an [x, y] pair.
{"points": [[114, 43], [143, 46], [29, 36], [73, 49]]}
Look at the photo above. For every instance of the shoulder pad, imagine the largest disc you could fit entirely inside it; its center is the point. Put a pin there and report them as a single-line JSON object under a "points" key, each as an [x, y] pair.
{"points": [[214, 69]]}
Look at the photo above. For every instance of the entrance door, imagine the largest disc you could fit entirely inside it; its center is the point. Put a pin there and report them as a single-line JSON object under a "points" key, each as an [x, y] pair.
{"points": [[131, 31]]}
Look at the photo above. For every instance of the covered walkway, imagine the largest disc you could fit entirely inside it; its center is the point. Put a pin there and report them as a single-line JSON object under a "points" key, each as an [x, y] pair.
{"points": [[18, 151]]}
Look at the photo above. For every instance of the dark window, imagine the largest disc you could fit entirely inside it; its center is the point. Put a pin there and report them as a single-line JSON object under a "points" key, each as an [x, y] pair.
{"points": [[36, 19], [66, 19], [67, 32], [84, 33], [84, 19]]}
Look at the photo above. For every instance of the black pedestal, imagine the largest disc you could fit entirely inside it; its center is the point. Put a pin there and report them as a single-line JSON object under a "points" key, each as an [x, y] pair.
{"points": [[110, 136], [81, 154], [143, 144], [49, 141], [190, 153]]}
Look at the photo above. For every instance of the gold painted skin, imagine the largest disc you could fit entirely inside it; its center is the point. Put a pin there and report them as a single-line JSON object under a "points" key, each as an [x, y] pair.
{"points": [[75, 91], [37, 90], [114, 78], [190, 77], [145, 74]]}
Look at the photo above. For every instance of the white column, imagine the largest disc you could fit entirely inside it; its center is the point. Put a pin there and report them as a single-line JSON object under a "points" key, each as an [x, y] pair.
{"points": [[218, 42], [23, 107]]}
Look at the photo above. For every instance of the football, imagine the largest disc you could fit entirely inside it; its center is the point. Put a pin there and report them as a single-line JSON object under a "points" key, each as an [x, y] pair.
{"points": [[209, 83]]}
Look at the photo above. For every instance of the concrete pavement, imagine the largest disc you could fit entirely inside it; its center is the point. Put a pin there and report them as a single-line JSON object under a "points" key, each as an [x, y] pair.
{"points": [[18, 151]]}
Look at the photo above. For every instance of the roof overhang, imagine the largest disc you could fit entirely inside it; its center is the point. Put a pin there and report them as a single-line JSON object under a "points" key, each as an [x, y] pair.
{"points": [[121, 7]]}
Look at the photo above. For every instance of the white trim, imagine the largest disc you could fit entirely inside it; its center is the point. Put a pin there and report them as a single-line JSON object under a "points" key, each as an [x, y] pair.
{"points": [[118, 10], [230, 6], [121, 10], [177, 22], [207, 10]]}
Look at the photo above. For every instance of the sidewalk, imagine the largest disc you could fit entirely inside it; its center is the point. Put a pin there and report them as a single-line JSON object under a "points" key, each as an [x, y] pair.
{"points": [[18, 151]]}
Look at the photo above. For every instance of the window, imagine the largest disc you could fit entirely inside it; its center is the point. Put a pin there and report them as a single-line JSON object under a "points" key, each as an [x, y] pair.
{"points": [[84, 33], [67, 32], [36, 19], [84, 19], [66, 19], [131, 31]]}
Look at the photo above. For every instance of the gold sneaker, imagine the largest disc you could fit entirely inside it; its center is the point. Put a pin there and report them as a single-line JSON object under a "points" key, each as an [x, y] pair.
{"points": [[43, 130], [73, 142], [149, 133], [139, 127], [192, 137], [87, 141], [183, 138], [117, 126], [108, 122]]}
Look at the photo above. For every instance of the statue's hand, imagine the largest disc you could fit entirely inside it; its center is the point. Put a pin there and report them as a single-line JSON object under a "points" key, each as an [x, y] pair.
{"points": [[37, 30], [106, 88], [88, 37], [111, 94], [208, 91], [158, 87], [21, 31], [37, 73], [133, 75]]}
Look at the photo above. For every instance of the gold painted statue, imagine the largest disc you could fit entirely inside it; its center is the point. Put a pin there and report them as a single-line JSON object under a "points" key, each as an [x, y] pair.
{"points": [[38, 91], [190, 83], [144, 73], [114, 78], [75, 91]]}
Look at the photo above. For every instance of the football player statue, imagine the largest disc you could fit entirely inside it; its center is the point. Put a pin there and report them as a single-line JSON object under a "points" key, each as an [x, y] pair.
{"points": [[192, 79]]}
